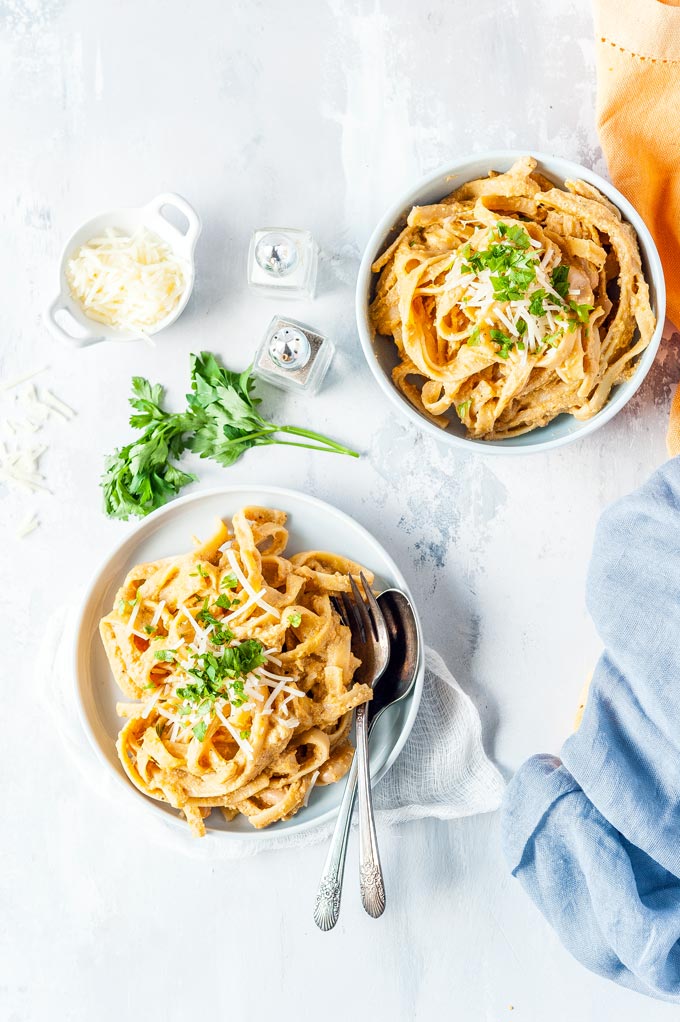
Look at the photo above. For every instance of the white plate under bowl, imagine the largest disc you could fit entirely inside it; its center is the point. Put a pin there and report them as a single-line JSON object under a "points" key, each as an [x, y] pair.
{"points": [[313, 525], [381, 352]]}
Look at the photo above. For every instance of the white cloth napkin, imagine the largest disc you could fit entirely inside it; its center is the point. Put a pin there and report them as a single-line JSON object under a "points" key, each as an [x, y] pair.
{"points": [[442, 771]]}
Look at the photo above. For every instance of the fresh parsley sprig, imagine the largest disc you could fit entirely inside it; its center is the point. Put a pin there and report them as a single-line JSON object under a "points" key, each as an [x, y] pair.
{"points": [[221, 422], [141, 476], [227, 422]]}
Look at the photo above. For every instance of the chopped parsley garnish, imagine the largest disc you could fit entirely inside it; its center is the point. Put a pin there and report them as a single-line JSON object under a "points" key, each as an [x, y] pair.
{"points": [[149, 630], [221, 675], [506, 343], [513, 268], [559, 278], [200, 570], [229, 581], [200, 730], [244, 735], [536, 307], [294, 620], [221, 633], [224, 602], [164, 654], [514, 233], [582, 311], [463, 408]]}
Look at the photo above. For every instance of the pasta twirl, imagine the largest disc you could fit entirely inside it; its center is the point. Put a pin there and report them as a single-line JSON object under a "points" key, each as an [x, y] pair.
{"points": [[512, 301], [238, 671]]}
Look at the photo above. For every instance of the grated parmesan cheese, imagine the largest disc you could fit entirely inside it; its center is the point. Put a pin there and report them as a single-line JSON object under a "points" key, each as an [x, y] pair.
{"points": [[20, 455], [315, 776], [255, 597], [133, 282]]}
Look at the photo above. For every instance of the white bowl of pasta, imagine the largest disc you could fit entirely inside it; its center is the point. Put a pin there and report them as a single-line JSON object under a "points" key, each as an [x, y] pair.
{"points": [[510, 302], [217, 684]]}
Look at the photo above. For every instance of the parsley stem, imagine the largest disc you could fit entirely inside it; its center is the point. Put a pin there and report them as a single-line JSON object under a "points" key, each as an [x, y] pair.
{"points": [[312, 447], [256, 437], [310, 435]]}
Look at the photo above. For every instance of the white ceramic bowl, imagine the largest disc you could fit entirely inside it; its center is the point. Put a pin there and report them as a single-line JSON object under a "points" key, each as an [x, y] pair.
{"points": [[65, 313], [313, 524], [381, 353]]}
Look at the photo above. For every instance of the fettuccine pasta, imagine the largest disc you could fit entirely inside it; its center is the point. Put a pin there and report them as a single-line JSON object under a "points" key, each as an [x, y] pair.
{"points": [[238, 671], [512, 301]]}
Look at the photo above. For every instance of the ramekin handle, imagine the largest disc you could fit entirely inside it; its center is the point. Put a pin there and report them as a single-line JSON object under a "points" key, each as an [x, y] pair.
{"points": [[188, 237], [60, 332]]}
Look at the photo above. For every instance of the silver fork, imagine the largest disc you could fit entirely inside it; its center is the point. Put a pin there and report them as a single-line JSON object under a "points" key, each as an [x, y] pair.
{"points": [[371, 643]]}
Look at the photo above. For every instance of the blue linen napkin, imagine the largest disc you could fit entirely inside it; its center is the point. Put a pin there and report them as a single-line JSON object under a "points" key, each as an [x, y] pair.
{"points": [[594, 838]]}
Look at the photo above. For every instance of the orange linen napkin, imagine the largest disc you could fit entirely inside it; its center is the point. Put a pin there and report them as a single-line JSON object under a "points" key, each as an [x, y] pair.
{"points": [[638, 102], [638, 118]]}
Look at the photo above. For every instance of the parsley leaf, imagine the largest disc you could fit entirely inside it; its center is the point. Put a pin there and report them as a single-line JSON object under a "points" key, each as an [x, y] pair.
{"points": [[475, 337], [582, 311], [536, 307], [200, 730], [463, 408], [164, 654], [559, 278], [229, 581], [506, 343], [142, 476], [294, 620], [221, 634]]}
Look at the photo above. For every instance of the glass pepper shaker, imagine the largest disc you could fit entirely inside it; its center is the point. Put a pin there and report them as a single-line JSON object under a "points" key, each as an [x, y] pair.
{"points": [[293, 356], [283, 262]]}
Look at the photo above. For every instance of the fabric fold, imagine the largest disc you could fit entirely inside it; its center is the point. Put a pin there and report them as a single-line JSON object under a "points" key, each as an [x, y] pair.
{"points": [[593, 836], [637, 46]]}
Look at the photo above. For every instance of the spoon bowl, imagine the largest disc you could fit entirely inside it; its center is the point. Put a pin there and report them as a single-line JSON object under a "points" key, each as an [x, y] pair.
{"points": [[400, 676]]}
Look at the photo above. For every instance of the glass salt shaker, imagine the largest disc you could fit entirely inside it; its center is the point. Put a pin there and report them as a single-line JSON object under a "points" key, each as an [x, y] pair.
{"points": [[293, 356], [283, 262]]}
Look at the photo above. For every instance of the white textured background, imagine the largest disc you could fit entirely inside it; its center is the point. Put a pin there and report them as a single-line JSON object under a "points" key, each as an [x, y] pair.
{"points": [[315, 114]]}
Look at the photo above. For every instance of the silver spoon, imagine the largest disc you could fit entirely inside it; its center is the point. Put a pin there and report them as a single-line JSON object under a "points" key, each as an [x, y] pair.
{"points": [[395, 685]]}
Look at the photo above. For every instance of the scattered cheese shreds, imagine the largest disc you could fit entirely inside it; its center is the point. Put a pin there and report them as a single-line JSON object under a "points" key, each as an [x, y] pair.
{"points": [[29, 525], [59, 406], [132, 282], [24, 378]]}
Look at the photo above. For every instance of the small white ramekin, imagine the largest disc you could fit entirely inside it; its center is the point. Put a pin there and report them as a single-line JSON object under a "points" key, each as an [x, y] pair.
{"points": [[64, 316]]}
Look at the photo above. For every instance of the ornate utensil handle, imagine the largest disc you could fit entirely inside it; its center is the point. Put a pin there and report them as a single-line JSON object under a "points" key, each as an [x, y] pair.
{"points": [[327, 904], [370, 871]]}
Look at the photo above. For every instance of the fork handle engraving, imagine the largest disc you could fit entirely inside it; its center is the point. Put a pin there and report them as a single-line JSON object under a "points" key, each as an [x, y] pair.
{"points": [[370, 871], [327, 904]]}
